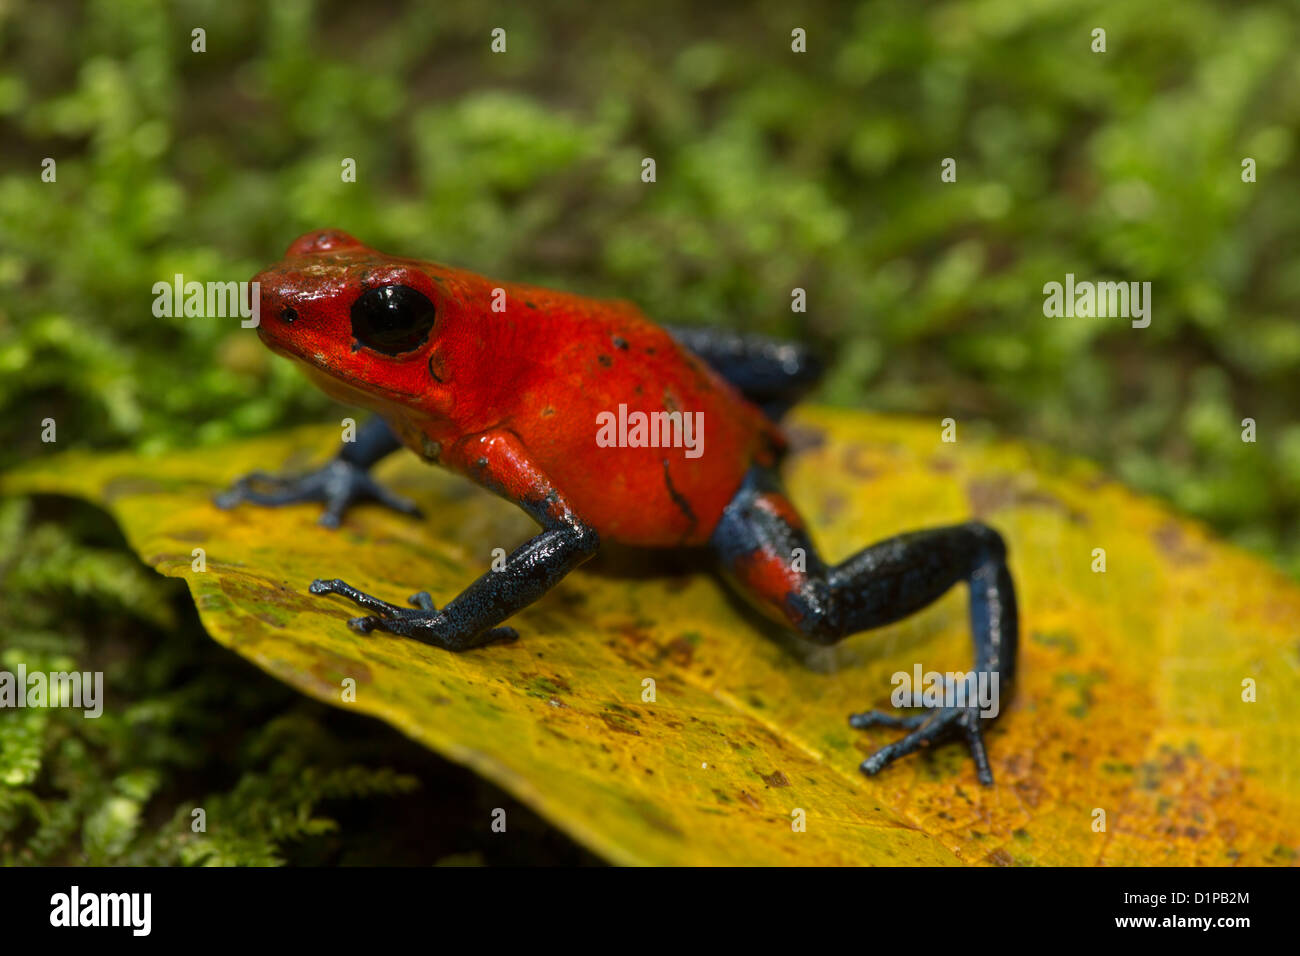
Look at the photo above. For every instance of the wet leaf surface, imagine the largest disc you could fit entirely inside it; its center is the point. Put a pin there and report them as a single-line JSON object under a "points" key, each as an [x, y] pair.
{"points": [[1129, 701]]}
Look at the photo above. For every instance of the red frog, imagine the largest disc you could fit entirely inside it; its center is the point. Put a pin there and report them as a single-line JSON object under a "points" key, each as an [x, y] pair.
{"points": [[601, 426]]}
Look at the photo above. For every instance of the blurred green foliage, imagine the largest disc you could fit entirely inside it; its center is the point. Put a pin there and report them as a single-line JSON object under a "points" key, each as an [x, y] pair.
{"points": [[77, 790], [775, 170], [186, 725]]}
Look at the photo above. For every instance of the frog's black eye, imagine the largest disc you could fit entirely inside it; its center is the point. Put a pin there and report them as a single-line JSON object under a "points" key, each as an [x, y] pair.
{"points": [[392, 319]]}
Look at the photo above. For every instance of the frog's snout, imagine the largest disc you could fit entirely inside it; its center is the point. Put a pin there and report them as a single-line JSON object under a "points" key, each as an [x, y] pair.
{"points": [[277, 309]]}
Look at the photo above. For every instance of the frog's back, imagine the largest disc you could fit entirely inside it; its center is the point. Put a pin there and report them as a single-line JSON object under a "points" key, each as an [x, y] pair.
{"points": [[648, 443]]}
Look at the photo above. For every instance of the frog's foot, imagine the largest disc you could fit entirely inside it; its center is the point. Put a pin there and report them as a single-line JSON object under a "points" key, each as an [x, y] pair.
{"points": [[338, 483], [422, 621], [926, 730]]}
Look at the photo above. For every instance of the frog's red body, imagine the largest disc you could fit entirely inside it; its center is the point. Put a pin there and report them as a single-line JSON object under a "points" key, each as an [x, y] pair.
{"points": [[543, 369], [508, 385]]}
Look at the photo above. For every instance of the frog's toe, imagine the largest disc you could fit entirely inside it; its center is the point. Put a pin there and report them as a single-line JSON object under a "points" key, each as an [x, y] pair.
{"points": [[422, 600], [422, 621], [502, 635], [409, 621], [338, 484], [926, 731], [361, 598], [881, 718], [406, 622], [391, 499], [344, 484], [269, 491], [332, 516]]}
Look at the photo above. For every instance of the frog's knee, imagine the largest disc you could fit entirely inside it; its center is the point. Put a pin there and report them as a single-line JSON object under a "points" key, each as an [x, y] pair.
{"points": [[586, 541], [989, 542], [812, 611]]}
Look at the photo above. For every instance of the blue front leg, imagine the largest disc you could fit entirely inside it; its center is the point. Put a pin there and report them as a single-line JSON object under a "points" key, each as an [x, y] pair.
{"points": [[339, 483], [471, 619]]}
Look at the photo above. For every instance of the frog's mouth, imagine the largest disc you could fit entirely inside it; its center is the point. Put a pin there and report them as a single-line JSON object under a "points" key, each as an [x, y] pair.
{"points": [[275, 346], [274, 331], [377, 398]]}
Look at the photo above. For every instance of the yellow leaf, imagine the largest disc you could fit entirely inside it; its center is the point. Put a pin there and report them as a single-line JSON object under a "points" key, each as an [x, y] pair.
{"points": [[1129, 700]]}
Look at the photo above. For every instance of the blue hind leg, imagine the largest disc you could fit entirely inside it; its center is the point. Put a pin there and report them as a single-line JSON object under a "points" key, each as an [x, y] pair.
{"points": [[758, 540]]}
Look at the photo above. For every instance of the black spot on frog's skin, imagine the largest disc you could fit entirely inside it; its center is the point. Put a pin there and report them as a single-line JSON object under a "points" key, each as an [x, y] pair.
{"points": [[438, 279], [548, 412], [530, 305], [620, 343], [288, 315], [604, 360], [682, 504]]}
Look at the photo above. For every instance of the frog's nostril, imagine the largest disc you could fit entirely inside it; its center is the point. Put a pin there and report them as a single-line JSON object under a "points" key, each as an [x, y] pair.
{"points": [[288, 315]]}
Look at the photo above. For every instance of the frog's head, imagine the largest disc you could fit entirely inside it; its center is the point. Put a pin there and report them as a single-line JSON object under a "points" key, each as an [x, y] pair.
{"points": [[364, 325]]}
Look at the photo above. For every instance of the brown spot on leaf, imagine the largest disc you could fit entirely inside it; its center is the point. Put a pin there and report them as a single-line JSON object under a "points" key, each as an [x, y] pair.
{"points": [[130, 486], [653, 815], [190, 535], [775, 779], [331, 669], [619, 723], [271, 605], [988, 495], [678, 650], [803, 438], [853, 463], [1170, 540]]}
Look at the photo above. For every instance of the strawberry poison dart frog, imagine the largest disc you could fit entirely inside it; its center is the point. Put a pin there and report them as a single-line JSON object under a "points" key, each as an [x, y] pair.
{"points": [[602, 426]]}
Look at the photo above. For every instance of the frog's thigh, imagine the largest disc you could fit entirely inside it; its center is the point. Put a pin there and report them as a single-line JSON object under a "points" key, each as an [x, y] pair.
{"points": [[767, 555]]}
